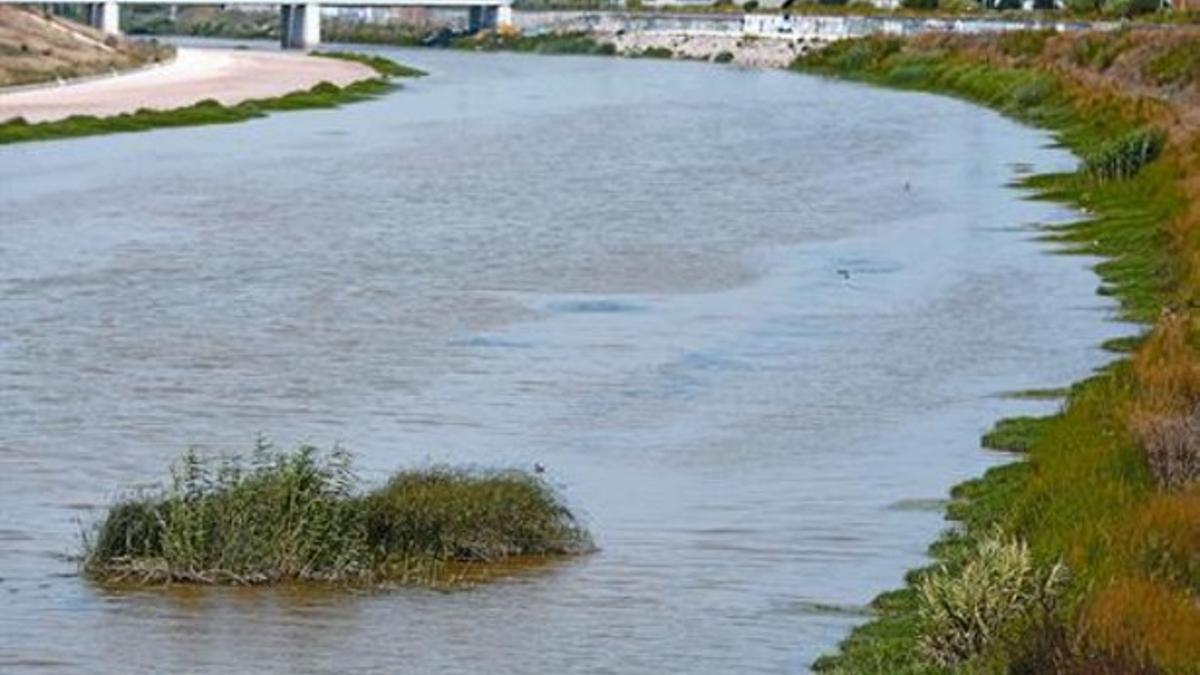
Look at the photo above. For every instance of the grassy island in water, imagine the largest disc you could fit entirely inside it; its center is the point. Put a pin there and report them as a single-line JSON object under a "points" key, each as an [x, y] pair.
{"points": [[303, 516]]}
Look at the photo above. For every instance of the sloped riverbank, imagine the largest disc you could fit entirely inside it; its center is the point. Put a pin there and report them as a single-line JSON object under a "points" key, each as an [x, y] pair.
{"points": [[1107, 489]]}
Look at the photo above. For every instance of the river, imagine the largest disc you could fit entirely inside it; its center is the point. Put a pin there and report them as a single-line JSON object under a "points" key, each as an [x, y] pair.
{"points": [[753, 323]]}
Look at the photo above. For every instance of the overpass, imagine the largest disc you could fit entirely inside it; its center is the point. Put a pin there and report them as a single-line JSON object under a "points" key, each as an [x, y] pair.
{"points": [[299, 23]]}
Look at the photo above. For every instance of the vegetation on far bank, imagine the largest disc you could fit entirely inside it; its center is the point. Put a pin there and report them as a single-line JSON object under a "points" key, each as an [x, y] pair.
{"points": [[1085, 556], [303, 516], [1081, 10], [546, 43], [241, 24], [209, 111]]}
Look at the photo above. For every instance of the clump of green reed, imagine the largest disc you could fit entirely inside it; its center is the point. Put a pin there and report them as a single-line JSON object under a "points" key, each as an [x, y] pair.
{"points": [[1177, 66], [280, 516], [997, 591], [384, 66], [1014, 434], [465, 516], [1124, 156]]}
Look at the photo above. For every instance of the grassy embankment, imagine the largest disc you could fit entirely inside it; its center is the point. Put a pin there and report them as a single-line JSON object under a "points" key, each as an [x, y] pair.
{"points": [[323, 95], [37, 47], [1084, 557], [302, 516]]}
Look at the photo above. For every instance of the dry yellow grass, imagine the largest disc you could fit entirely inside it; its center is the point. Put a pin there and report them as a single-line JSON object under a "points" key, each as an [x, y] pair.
{"points": [[1146, 621]]}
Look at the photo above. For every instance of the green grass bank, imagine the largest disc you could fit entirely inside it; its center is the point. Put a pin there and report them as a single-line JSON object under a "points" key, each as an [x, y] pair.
{"points": [[322, 95], [546, 43], [1083, 556], [277, 516]]}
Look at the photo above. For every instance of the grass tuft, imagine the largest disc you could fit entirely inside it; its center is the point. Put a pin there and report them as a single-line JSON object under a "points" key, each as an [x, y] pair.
{"points": [[1124, 156], [1014, 434], [995, 593], [302, 516]]}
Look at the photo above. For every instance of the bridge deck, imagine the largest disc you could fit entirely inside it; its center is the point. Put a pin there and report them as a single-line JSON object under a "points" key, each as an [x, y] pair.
{"points": [[324, 3]]}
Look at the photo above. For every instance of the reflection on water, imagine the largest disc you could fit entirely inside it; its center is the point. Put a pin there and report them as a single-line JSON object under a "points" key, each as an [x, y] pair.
{"points": [[701, 296]]}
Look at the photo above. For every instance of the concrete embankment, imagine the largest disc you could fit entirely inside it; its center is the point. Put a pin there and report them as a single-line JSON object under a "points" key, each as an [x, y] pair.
{"points": [[226, 75]]}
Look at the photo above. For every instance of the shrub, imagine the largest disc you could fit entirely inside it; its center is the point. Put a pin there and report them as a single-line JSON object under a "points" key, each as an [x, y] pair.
{"points": [[280, 516], [1032, 93], [908, 74], [996, 591], [468, 517], [1025, 43], [1098, 51], [657, 53], [1172, 444], [1179, 65], [1125, 155], [860, 55]]}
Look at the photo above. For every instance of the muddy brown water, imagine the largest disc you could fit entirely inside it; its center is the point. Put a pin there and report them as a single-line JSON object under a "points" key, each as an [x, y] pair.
{"points": [[703, 297]]}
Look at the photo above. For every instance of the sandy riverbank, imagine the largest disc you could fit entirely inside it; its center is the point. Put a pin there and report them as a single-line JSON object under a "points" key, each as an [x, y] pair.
{"points": [[227, 75]]}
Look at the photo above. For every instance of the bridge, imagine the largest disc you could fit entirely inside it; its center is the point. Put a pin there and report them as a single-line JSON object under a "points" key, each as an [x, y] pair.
{"points": [[299, 23]]}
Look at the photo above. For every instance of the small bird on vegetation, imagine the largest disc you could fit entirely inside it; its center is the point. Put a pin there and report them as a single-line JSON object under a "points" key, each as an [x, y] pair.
{"points": [[538, 467]]}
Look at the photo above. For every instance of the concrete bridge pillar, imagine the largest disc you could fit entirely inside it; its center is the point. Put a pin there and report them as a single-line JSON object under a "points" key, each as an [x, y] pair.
{"points": [[487, 17], [300, 25], [105, 16]]}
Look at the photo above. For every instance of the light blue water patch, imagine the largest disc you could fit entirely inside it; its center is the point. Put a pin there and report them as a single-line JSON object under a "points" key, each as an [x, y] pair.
{"points": [[596, 306], [491, 341]]}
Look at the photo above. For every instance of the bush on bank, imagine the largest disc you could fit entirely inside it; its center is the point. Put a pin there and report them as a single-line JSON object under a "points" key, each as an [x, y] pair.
{"points": [[302, 516], [1110, 485], [993, 595]]}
